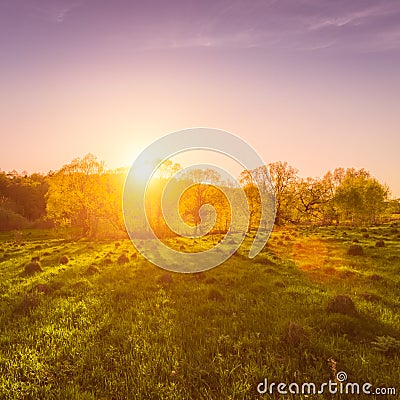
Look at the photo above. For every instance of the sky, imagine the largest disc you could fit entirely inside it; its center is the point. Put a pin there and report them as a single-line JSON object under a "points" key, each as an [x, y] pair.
{"points": [[315, 83]]}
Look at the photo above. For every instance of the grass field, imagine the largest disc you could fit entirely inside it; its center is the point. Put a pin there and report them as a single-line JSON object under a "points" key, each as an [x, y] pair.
{"points": [[106, 324]]}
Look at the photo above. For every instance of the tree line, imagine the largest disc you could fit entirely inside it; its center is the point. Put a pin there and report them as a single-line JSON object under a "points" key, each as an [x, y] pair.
{"points": [[85, 196], [341, 196]]}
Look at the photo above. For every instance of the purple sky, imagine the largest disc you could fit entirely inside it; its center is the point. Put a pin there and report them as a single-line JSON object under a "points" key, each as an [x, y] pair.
{"points": [[312, 82]]}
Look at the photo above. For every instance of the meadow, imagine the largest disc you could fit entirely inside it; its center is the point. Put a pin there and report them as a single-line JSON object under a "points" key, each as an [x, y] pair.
{"points": [[92, 319]]}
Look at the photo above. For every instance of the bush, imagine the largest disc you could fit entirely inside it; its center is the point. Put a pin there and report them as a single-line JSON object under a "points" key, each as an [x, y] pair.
{"points": [[122, 259], [10, 220], [199, 276], [32, 268], [380, 243], [42, 223], [165, 279], [64, 260], [355, 250], [92, 270], [29, 302], [42, 288], [215, 295], [341, 304]]}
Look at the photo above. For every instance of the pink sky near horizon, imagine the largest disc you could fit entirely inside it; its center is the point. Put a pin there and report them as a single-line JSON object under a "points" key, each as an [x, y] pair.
{"points": [[309, 83]]}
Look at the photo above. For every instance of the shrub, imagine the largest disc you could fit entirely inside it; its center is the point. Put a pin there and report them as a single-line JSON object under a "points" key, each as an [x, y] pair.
{"points": [[107, 261], [10, 220], [64, 260], [165, 279], [92, 270], [355, 250], [42, 288], [215, 295], [341, 304], [122, 259], [380, 243], [366, 235], [199, 276], [29, 302], [32, 268]]}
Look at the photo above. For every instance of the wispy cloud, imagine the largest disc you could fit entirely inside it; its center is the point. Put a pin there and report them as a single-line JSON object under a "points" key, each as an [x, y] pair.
{"points": [[308, 25], [55, 11], [355, 18], [304, 25]]}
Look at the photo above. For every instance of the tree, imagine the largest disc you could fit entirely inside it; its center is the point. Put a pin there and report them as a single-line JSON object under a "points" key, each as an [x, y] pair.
{"points": [[23, 194], [76, 194], [393, 207], [203, 191], [284, 178], [312, 195], [360, 198], [250, 188]]}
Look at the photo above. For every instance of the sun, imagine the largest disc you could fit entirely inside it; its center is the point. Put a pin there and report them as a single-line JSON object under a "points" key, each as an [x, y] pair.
{"points": [[143, 171]]}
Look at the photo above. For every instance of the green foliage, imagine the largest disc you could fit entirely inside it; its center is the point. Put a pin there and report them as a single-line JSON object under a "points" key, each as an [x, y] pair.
{"points": [[10, 220], [341, 196], [97, 330], [82, 194], [360, 198], [21, 199]]}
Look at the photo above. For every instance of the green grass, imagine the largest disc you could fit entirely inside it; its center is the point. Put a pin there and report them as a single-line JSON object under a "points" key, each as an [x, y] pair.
{"points": [[103, 330]]}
